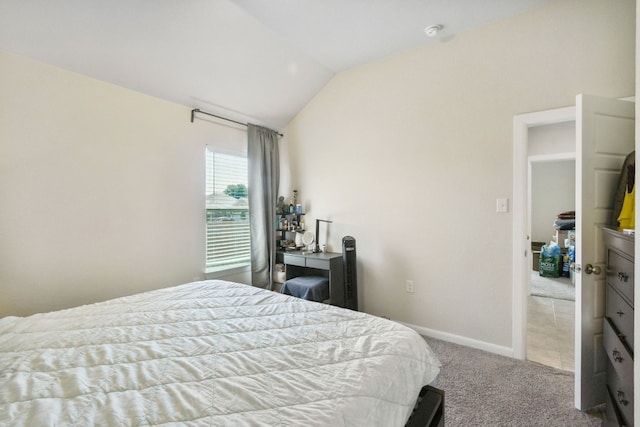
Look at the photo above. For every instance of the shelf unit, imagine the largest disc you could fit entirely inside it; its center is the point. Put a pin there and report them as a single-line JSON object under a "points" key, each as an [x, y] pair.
{"points": [[282, 233]]}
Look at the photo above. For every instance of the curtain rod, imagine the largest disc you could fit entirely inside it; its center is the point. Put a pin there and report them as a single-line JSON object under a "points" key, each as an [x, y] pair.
{"points": [[197, 110]]}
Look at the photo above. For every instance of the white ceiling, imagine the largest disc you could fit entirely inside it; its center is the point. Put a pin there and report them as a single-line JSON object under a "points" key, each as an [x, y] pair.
{"points": [[250, 60]]}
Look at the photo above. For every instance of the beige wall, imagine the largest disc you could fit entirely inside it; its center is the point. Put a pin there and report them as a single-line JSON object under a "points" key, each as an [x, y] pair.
{"points": [[553, 186], [552, 180], [552, 139], [101, 189], [409, 154]]}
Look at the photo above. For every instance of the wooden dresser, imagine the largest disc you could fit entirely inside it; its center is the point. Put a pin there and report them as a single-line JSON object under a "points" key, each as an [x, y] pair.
{"points": [[618, 328]]}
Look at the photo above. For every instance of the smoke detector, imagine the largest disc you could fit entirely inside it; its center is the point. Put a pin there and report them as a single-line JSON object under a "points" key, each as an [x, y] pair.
{"points": [[432, 30]]}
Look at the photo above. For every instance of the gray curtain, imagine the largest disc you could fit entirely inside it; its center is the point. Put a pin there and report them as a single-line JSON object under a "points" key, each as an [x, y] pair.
{"points": [[264, 178]]}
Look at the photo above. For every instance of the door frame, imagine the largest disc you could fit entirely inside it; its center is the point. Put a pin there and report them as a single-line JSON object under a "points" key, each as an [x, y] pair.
{"points": [[521, 221]]}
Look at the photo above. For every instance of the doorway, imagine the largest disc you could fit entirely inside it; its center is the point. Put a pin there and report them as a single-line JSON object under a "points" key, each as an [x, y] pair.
{"points": [[521, 201], [550, 336], [605, 131]]}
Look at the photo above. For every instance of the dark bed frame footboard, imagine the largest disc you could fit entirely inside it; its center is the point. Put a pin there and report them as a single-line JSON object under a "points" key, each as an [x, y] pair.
{"points": [[429, 409]]}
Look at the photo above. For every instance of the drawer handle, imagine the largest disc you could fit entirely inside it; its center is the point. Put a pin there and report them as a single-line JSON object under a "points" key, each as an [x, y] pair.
{"points": [[616, 356], [620, 313], [622, 276], [621, 398]]}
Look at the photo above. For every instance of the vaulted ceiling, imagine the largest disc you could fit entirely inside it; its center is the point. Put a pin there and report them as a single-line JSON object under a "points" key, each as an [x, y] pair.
{"points": [[250, 60]]}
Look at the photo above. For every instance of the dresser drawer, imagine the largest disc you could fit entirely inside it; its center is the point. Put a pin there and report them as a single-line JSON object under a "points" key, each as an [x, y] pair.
{"points": [[621, 394], [621, 315], [620, 274], [617, 353], [612, 415]]}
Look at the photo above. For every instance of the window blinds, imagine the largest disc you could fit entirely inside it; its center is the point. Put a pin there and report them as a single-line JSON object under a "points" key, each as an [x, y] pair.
{"points": [[228, 234]]}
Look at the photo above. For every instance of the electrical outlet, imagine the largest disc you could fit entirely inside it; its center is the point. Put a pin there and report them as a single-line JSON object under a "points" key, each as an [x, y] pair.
{"points": [[410, 286]]}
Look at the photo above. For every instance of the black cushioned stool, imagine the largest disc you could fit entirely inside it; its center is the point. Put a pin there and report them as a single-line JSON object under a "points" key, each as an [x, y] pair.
{"points": [[312, 288]]}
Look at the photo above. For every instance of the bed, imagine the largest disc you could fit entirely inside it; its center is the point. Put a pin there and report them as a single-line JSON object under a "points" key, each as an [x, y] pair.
{"points": [[212, 353]]}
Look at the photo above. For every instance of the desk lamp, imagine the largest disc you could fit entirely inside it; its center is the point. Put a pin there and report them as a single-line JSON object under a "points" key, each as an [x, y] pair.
{"points": [[317, 248]]}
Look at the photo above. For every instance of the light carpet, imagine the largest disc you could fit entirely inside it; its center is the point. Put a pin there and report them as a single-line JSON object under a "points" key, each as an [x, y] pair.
{"points": [[559, 288], [485, 389]]}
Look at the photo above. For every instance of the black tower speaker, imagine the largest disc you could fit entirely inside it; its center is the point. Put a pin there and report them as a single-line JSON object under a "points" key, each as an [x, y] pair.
{"points": [[350, 274]]}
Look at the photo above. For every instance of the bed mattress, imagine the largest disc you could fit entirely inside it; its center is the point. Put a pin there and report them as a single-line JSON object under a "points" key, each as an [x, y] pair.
{"points": [[211, 353]]}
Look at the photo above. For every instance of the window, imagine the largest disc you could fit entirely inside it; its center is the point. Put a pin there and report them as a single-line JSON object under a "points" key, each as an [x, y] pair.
{"points": [[228, 235]]}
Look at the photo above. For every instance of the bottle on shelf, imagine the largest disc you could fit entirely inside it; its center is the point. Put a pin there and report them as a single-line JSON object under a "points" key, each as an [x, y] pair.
{"points": [[293, 201]]}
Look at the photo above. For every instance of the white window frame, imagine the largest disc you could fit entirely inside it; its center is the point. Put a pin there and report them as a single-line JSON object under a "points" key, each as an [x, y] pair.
{"points": [[222, 206]]}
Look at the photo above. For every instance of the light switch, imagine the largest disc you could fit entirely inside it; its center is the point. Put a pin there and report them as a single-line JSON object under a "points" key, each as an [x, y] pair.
{"points": [[502, 205]]}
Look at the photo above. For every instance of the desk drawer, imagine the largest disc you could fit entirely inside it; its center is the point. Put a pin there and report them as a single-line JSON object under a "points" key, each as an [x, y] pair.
{"points": [[322, 264], [617, 353], [621, 315], [294, 260], [620, 274]]}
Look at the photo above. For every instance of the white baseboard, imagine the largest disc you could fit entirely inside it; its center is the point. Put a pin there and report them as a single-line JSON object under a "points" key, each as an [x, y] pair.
{"points": [[457, 339]]}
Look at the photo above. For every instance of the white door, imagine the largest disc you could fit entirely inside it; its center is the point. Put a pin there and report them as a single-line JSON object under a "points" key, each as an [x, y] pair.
{"points": [[605, 136]]}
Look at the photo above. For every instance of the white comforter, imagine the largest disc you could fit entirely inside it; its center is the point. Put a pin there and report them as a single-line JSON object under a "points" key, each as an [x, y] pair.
{"points": [[210, 353]]}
